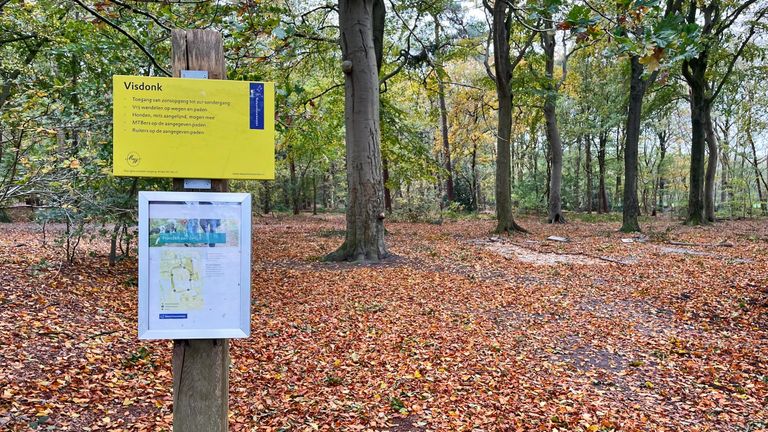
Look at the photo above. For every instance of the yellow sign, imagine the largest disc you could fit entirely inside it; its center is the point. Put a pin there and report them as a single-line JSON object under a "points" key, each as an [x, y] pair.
{"points": [[192, 128]]}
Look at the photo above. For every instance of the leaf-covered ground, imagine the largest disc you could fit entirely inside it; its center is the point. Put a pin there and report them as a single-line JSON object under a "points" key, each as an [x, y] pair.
{"points": [[460, 331]]}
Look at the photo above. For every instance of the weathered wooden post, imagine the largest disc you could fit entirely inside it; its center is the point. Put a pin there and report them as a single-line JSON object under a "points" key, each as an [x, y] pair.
{"points": [[200, 366]]}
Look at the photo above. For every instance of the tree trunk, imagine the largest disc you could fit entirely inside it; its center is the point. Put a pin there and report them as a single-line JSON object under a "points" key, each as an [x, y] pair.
{"points": [[577, 175], [475, 190], [554, 207], [387, 191], [658, 200], [588, 172], [266, 201], [364, 240], [725, 195], [314, 195], [693, 71], [637, 88], [449, 193], [503, 68], [709, 178], [619, 159], [756, 166], [548, 158], [294, 187], [602, 193]]}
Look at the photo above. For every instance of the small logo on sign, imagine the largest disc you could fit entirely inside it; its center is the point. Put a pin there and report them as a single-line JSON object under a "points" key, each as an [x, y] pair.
{"points": [[133, 159]]}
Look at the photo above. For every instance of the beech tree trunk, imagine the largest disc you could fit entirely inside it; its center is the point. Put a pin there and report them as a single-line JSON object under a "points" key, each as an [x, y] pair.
{"points": [[364, 240], [502, 20], [555, 212], [637, 89], [693, 71]]}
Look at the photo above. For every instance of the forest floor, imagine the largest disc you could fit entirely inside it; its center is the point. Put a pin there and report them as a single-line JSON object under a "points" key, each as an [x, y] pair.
{"points": [[459, 331]]}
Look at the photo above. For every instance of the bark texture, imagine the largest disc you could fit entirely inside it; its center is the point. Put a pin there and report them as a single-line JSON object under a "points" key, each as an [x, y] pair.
{"points": [[637, 87], [693, 71], [502, 20], [554, 206], [364, 239]]}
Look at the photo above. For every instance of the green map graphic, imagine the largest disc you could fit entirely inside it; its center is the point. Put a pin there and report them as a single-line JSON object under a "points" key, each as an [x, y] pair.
{"points": [[181, 284]]}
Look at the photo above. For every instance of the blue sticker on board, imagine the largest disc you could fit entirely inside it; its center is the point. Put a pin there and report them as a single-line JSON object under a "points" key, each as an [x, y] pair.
{"points": [[173, 316], [257, 106]]}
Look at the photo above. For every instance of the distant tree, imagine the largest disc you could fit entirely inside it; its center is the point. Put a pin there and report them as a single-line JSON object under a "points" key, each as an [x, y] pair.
{"points": [[718, 18]]}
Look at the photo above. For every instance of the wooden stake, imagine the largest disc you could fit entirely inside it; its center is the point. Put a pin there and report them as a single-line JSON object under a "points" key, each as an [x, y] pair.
{"points": [[200, 366]]}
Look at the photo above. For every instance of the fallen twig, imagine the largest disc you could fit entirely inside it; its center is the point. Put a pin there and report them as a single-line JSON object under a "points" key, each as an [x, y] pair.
{"points": [[721, 244], [104, 333]]}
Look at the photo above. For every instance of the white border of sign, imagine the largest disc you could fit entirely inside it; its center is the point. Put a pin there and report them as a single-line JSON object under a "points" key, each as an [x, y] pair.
{"points": [[244, 330]]}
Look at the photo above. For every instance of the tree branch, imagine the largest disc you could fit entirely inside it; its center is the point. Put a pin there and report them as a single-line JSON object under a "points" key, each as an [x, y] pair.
{"points": [[126, 34], [738, 54], [321, 94], [729, 20], [18, 38], [141, 12]]}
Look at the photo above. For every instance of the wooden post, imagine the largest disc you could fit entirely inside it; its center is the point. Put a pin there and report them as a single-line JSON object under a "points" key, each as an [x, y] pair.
{"points": [[200, 366]]}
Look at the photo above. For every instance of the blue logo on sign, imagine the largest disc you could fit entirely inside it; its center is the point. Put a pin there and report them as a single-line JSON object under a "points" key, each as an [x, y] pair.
{"points": [[257, 106], [173, 316]]}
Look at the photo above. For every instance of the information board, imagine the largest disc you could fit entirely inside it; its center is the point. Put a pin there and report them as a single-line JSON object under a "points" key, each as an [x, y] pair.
{"points": [[194, 265], [193, 128]]}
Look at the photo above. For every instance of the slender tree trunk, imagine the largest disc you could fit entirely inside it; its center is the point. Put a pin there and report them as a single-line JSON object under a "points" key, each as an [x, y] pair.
{"points": [[475, 189], [364, 240], [449, 193], [756, 166], [332, 188], [588, 172], [267, 199], [725, 164], [549, 172], [709, 178], [314, 195], [619, 159], [295, 192], [577, 175], [602, 193], [387, 191], [659, 196], [636, 92]]}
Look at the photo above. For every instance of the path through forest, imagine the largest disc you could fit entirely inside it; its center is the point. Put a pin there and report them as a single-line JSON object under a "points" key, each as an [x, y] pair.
{"points": [[460, 331]]}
